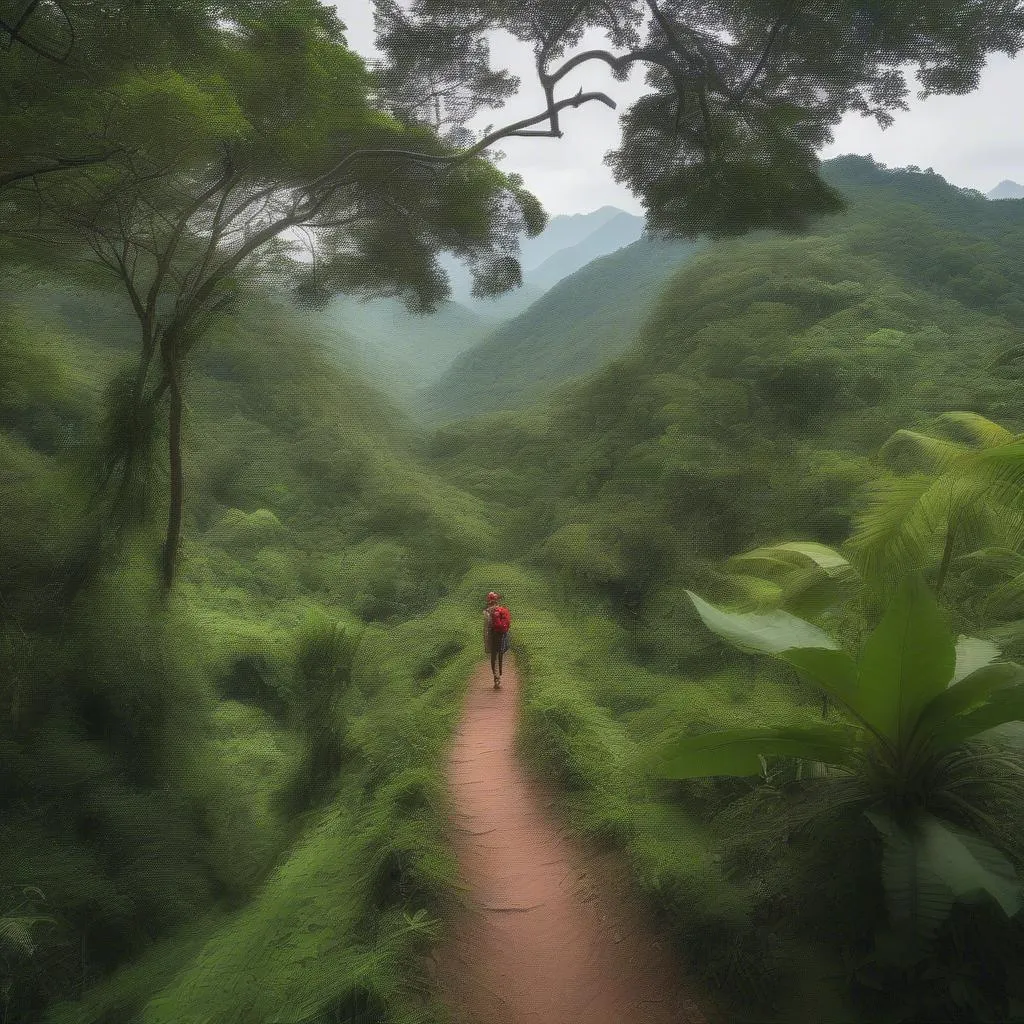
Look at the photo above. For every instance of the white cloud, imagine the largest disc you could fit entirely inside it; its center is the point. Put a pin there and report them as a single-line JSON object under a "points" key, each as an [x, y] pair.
{"points": [[973, 141]]}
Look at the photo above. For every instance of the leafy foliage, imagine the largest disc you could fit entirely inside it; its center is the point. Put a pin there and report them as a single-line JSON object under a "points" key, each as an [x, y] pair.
{"points": [[912, 703], [741, 96]]}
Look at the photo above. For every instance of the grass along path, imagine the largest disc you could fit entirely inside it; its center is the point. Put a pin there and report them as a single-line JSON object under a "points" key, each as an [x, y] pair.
{"points": [[546, 935]]}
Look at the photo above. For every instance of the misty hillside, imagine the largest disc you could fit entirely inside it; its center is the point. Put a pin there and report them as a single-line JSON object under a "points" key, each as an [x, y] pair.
{"points": [[1007, 190], [409, 352], [586, 319], [396, 347]]}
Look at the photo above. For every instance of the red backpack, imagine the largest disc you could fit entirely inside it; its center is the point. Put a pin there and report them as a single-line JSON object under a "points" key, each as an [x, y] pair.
{"points": [[501, 619]]}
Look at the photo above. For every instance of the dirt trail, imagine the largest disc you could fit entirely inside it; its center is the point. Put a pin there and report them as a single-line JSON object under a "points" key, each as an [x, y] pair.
{"points": [[548, 936]]}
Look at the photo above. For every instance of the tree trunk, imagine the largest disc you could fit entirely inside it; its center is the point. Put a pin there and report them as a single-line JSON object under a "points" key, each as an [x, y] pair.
{"points": [[177, 500]]}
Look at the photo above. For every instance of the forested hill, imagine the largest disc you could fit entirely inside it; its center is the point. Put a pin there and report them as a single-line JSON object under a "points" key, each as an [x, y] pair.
{"points": [[765, 379], [925, 231], [587, 318]]}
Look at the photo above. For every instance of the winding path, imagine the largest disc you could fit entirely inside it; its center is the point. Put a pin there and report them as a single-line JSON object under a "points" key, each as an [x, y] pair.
{"points": [[547, 935]]}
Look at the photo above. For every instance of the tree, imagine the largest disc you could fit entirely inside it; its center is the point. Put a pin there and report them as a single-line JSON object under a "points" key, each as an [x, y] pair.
{"points": [[229, 170], [743, 92], [64, 72]]}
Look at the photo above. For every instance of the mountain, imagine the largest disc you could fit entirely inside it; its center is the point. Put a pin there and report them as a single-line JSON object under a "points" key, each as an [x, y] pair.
{"points": [[622, 230], [563, 232], [568, 242], [410, 351], [763, 379], [1007, 190], [586, 319]]}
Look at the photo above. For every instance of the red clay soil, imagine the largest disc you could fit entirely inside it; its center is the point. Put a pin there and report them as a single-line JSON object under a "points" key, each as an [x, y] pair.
{"points": [[548, 935]]}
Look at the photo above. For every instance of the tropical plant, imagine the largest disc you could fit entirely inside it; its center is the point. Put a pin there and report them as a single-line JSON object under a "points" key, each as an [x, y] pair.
{"points": [[953, 490], [17, 943], [913, 702], [802, 577]]}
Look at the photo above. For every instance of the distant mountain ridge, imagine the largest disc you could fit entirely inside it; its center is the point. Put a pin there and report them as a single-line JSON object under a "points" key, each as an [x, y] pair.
{"points": [[411, 351], [568, 242], [582, 322], [621, 230], [1007, 189], [564, 231]]}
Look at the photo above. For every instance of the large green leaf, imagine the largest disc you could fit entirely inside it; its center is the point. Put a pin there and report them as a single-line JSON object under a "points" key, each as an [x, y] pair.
{"points": [[834, 671], [762, 561], [796, 553], [821, 555], [905, 663], [737, 752], [972, 653], [1005, 705], [968, 694], [967, 864], [767, 633], [917, 898]]}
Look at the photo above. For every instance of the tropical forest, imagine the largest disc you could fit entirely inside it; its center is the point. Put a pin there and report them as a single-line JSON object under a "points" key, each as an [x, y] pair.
{"points": [[462, 565]]}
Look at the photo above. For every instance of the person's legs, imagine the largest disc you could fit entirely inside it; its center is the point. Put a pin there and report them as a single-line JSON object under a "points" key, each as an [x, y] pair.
{"points": [[494, 642], [501, 651]]}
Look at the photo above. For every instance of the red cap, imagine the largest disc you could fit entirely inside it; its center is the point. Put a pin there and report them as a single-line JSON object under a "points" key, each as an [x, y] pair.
{"points": [[492, 596]]}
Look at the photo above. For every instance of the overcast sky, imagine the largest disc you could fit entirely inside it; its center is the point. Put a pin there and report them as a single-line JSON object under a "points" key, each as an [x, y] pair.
{"points": [[974, 141]]}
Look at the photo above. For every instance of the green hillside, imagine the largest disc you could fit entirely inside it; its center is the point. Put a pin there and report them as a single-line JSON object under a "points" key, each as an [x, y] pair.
{"points": [[283, 718], [587, 318], [754, 501], [196, 758], [751, 412], [401, 350], [760, 355]]}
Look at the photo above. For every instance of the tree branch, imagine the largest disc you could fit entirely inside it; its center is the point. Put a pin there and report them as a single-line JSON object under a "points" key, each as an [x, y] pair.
{"points": [[60, 164], [16, 35], [784, 21]]}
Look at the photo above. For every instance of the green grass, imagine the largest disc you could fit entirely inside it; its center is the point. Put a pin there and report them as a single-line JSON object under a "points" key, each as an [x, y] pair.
{"points": [[338, 929]]}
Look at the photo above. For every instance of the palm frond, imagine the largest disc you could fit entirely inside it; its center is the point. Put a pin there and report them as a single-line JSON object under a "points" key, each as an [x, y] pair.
{"points": [[893, 534], [1007, 599], [1001, 471], [976, 430], [908, 450]]}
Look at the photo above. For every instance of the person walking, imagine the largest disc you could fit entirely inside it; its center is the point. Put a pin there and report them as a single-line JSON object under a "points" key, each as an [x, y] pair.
{"points": [[497, 619]]}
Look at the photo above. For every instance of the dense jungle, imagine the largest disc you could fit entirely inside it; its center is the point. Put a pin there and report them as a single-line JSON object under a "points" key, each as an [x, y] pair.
{"points": [[294, 371]]}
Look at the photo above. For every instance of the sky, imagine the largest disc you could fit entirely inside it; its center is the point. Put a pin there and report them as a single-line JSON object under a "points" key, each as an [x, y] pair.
{"points": [[973, 141]]}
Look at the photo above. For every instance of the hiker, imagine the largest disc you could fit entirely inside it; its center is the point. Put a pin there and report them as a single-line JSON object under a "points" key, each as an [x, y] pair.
{"points": [[497, 619]]}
